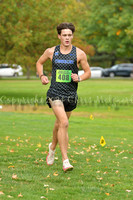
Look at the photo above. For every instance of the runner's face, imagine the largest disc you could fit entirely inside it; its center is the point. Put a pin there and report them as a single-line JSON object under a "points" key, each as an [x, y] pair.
{"points": [[66, 37]]}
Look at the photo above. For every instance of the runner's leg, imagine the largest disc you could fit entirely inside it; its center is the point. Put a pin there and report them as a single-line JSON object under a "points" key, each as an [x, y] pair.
{"points": [[62, 118], [55, 138], [68, 116], [55, 132]]}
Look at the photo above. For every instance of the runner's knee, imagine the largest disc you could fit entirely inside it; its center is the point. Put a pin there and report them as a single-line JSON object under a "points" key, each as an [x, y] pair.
{"points": [[64, 124]]}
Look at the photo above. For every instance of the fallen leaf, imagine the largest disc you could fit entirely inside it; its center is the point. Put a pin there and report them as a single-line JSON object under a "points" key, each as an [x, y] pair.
{"points": [[125, 158], [20, 195], [112, 185], [55, 174], [51, 189], [100, 178], [48, 176], [91, 117], [7, 137], [107, 194], [89, 149], [1, 193], [10, 196], [112, 150], [41, 160], [14, 177], [93, 146], [83, 138], [12, 151], [87, 159], [76, 152], [128, 190], [120, 152], [36, 162], [39, 145], [99, 161], [74, 142], [98, 171], [11, 166], [74, 161], [46, 185]]}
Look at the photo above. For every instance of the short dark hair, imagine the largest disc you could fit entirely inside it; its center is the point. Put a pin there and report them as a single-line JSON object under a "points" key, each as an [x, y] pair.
{"points": [[65, 25]]}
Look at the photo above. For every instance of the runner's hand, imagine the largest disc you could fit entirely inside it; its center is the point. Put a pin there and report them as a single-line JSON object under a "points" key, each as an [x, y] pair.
{"points": [[44, 80], [75, 77]]}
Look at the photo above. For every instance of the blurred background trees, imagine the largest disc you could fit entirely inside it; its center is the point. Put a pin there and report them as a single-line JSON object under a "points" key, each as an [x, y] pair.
{"points": [[109, 27], [104, 30]]}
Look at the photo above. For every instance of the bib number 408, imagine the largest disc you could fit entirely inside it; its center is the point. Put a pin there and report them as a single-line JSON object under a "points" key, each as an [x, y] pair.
{"points": [[63, 77]]}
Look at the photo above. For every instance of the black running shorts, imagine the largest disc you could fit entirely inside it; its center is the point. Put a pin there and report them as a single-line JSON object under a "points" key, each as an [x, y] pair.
{"points": [[70, 103]]}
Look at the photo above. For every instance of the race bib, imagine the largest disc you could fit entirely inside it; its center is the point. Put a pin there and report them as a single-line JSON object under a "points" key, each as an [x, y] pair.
{"points": [[63, 76]]}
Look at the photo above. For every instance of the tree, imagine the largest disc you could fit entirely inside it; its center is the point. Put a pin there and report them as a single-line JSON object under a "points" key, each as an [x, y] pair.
{"points": [[110, 27], [27, 28]]}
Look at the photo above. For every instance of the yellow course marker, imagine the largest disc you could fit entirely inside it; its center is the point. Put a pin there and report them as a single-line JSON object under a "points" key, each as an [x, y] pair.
{"points": [[102, 141]]}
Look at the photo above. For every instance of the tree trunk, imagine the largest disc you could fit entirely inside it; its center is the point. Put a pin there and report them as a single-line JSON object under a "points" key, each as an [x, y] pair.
{"points": [[28, 72], [131, 60], [113, 60]]}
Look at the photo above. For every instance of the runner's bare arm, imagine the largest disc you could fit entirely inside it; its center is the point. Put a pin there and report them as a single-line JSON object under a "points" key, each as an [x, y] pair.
{"points": [[82, 60], [39, 65], [85, 66]]}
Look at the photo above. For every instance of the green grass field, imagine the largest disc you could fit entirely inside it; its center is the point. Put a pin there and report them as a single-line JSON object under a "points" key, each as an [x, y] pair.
{"points": [[99, 172], [91, 90]]}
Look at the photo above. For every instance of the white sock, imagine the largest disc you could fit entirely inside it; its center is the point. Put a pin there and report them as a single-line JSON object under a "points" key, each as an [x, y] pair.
{"points": [[65, 161], [53, 151]]}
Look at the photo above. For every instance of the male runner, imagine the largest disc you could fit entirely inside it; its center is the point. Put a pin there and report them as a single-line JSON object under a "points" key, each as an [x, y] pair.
{"points": [[62, 94]]}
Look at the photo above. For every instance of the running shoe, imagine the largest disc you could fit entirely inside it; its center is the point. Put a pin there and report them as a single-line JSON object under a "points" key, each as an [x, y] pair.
{"points": [[50, 156], [67, 166]]}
